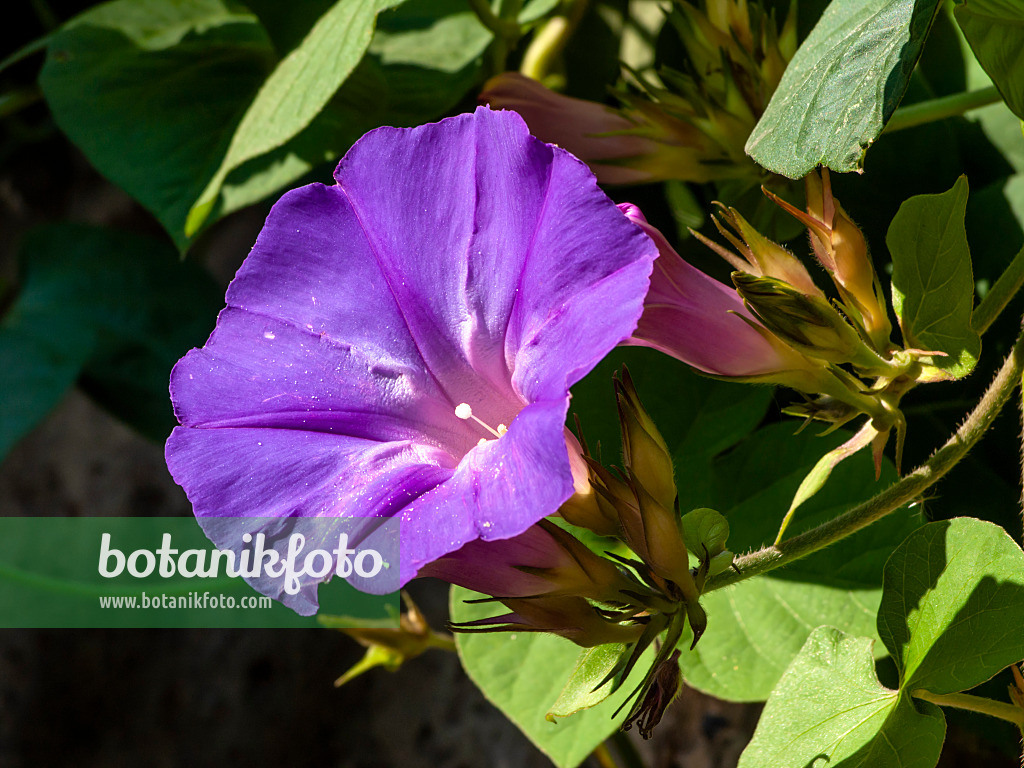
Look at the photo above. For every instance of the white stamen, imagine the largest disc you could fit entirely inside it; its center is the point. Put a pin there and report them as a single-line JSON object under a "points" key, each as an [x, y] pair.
{"points": [[464, 412]]}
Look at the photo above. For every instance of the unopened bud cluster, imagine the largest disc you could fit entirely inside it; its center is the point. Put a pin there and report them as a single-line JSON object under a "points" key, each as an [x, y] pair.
{"points": [[641, 588], [838, 352], [692, 124]]}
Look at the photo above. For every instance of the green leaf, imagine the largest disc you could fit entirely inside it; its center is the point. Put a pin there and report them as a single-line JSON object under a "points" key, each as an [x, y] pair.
{"points": [[112, 309], [410, 74], [953, 605], [1000, 126], [995, 31], [820, 473], [536, 9], [841, 87], [523, 674], [582, 690], [705, 528], [829, 709], [429, 53], [123, 81], [296, 91], [288, 23], [758, 626], [34, 375], [932, 283]]}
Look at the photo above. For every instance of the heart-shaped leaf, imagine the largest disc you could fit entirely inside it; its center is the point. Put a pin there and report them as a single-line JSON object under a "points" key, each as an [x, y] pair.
{"points": [[523, 674], [830, 709]]}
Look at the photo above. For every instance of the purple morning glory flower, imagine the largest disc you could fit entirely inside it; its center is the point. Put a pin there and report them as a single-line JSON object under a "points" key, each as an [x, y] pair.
{"points": [[402, 343]]}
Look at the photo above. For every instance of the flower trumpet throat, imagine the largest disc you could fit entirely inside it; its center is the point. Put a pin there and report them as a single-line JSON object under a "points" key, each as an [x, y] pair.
{"points": [[705, 324], [465, 412]]}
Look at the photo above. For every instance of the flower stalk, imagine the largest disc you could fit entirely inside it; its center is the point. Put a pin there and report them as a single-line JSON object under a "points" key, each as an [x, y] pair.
{"points": [[932, 110], [544, 50], [894, 497], [999, 295], [999, 709]]}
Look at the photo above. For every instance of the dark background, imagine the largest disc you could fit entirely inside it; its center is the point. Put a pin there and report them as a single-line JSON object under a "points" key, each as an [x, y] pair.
{"points": [[234, 697]]}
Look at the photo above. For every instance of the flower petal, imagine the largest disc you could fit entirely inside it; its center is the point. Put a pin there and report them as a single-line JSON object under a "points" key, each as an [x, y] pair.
{"points": [[500, 489], [696, 319], [258, 371], [460, 262]]}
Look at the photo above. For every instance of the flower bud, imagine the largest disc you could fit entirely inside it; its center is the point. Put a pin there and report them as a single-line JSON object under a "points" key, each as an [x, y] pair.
{"points": [[645, 501], [654, 533], [665, 687], [646, 453], [758, 255], [570, 617], [544, 560], [722, 32], [693, 125], [735, 45], [841, 248], [586, 508], [390, 648], [597, 134], [809, 324]]}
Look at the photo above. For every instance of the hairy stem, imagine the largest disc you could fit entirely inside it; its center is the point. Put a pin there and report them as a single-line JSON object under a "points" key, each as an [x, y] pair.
{"points": [[895, 496], [999, 709], [999, 295], [941, 108]]}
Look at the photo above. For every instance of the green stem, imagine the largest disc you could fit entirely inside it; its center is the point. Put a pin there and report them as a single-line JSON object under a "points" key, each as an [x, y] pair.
{"points": [[893, 497], [999, 295], [999, 709], [941, 108], [36, 46], [503, 28], [549, 42], [443, 642]]}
